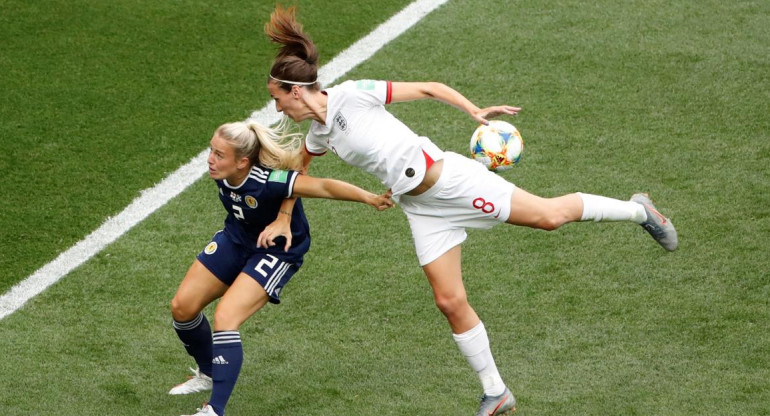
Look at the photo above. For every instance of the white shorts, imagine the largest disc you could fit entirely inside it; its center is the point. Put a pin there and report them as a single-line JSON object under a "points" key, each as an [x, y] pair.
{"points": [[466, 195]]}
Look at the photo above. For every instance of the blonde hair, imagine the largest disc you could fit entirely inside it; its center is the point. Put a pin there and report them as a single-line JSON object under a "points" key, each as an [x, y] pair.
{"points": [[276, 148], [297, 59]]}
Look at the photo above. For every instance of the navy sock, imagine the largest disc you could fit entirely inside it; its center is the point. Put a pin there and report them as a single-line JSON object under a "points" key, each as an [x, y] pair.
{"points": [[228, 357], [196, 338]]}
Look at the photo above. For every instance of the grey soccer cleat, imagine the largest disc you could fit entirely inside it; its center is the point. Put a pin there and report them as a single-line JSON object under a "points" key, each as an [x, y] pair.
{"points": [[659, 227], [504, 404]]}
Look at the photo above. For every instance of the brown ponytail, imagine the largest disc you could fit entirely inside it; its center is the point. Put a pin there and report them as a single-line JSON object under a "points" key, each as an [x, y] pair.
{"points": [[297, 60]]}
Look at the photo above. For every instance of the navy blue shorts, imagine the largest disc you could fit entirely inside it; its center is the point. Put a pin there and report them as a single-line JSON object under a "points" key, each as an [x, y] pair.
{"points": [[226, 260]]}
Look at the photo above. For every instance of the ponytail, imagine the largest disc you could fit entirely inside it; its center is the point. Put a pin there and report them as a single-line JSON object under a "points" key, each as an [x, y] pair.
{"points": [[276, 148], [297, 59]]}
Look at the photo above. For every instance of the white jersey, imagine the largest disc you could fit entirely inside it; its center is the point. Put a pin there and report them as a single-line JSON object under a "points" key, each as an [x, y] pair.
{"points": [[364, 134]]}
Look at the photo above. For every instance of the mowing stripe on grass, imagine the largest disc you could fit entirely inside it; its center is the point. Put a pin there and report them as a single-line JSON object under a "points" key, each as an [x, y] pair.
{"points": [[153, 198]]}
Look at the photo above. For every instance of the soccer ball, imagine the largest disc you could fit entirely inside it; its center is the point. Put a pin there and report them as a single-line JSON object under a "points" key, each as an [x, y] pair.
{"points": [[498, 146]]}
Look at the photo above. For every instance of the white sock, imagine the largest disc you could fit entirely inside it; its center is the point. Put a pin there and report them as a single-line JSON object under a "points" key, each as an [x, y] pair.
{"points": [[474, 345], [601, 208]]}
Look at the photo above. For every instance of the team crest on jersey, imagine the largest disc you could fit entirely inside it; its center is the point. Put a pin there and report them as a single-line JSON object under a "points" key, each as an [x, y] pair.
{"points": [[235, 197], [341, 122], [211, 248], [251, 201]]}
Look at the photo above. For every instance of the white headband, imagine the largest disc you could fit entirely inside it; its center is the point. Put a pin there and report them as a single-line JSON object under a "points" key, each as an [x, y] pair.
{"points": [[291, 82]]}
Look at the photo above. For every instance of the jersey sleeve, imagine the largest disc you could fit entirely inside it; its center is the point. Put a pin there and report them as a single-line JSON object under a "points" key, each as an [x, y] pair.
{"points": [[313, 145], [280, 183], [373, 92]]}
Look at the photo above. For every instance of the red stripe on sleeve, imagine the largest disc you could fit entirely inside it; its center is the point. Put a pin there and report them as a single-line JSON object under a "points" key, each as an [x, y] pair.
{"points": [[389, 93]]}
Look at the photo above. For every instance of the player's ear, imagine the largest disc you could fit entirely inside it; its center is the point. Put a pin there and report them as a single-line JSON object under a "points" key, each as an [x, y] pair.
{"points": [[243, 163], [295, 92]]}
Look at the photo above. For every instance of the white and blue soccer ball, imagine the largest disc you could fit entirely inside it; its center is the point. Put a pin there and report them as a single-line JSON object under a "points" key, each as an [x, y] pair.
{"points": [[498, 146]]}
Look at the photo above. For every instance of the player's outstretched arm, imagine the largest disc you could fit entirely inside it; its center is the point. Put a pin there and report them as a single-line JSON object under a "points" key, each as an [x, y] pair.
{"points": [[409, 91], [310, 187]]}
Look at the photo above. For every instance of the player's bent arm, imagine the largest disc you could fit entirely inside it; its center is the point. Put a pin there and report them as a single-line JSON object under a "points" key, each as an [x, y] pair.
{"points": [[287, 207], [281, 226], [409, 91], [306, 159], [310, 187]]}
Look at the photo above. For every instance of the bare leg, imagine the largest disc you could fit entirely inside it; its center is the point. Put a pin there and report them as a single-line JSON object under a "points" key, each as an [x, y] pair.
{"points": [[242, 300], [544, 213], [445, 277], [551, 213], [198, 288]]}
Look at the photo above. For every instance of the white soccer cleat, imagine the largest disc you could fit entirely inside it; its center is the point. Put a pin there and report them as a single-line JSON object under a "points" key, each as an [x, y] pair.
{"points": [[206, 410], [196, 383]]}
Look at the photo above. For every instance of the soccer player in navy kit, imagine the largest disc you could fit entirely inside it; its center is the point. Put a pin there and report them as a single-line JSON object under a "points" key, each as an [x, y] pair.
{"points": [[251, 165], [441, 193]]}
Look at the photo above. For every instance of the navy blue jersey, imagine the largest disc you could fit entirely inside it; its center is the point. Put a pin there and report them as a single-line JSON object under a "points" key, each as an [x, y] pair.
{"points": [[254, 204]]}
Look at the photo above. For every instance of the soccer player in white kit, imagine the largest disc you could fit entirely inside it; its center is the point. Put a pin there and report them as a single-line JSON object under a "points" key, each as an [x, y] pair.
{"points": [[441, 193]]}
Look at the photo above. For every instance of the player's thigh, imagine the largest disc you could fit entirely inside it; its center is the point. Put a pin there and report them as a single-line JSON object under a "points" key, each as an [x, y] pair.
{"points": [[445, 274], [527, 209], [198, 288], [244, 297], [445, 277], [547, 213]]}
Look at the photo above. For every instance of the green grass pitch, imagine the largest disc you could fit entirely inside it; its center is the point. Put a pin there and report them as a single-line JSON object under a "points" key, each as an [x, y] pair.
{"points": [[103, 99]]}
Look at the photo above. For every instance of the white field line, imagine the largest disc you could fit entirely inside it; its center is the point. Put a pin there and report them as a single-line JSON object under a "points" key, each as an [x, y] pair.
{"points": [[153, 198]]}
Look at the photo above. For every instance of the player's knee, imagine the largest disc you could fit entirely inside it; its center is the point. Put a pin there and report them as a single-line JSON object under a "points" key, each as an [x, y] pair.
{"points": [[226, 319], [182, 312], [550, 223], [552, 215], [552, 219], [451, 303], [222, 317]]}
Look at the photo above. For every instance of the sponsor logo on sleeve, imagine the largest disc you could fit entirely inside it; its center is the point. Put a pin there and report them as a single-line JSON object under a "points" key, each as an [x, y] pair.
{"points": [[278, 176], [365, 84]]}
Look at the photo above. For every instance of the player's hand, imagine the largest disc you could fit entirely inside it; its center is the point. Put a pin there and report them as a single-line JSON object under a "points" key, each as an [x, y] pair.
{"points": [[279, 227], [484, 114], [382, 202]]}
